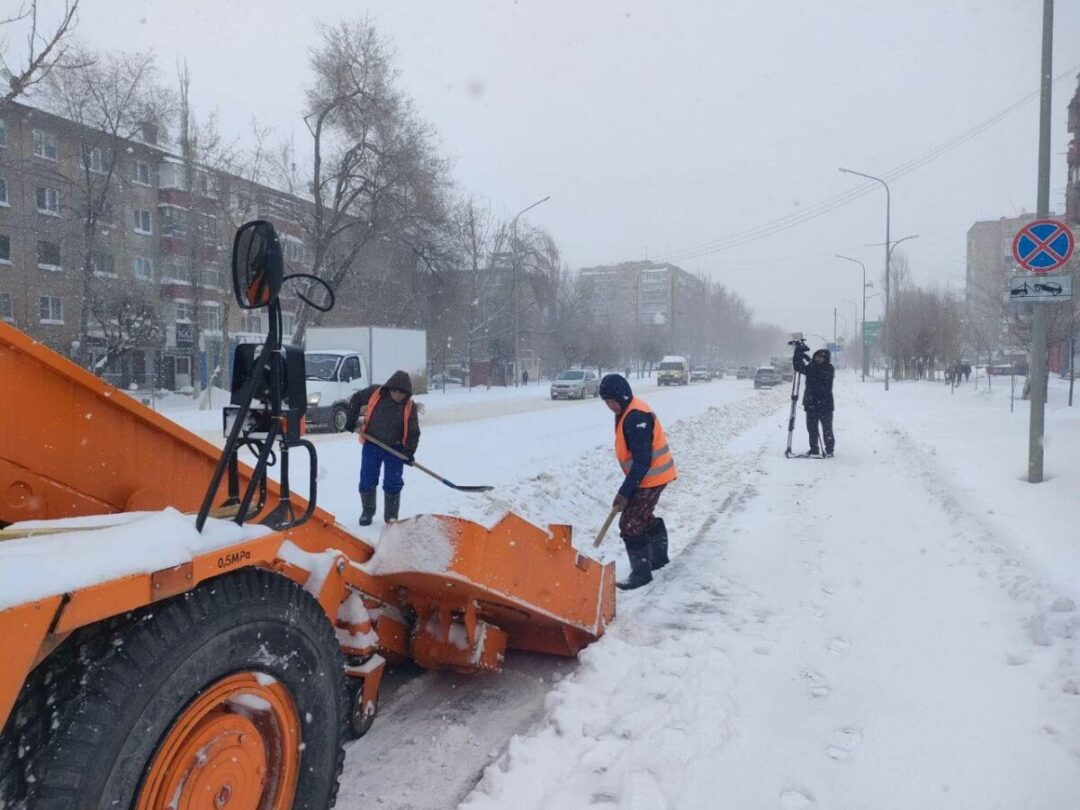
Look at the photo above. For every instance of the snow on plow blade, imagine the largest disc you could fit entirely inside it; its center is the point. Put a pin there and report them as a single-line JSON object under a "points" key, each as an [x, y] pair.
{"points": [[529, 582]]}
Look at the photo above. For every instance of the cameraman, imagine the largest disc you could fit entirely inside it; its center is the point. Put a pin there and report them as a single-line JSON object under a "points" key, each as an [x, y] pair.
{"points": [[817, 398]]}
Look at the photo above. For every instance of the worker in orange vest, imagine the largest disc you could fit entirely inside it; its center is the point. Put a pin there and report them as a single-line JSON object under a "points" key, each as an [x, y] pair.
{"points": [[389, 416], [642, 451]]}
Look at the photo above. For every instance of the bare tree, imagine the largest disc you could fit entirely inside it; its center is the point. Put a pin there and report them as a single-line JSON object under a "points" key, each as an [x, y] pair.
{"points": [[126, 321], [113, 99], [45, 50], [374, 175]]}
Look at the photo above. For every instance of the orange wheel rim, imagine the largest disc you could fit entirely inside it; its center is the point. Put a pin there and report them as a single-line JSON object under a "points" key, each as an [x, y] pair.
{"points": [[235, 747]]}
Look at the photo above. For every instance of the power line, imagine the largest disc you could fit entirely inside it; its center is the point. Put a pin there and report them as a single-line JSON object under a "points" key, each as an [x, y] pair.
{"points": [[830, 204]]}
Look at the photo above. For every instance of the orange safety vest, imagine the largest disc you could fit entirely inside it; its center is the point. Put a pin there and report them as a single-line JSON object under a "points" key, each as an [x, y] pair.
{"points": [[662, 470], [373, 400]]}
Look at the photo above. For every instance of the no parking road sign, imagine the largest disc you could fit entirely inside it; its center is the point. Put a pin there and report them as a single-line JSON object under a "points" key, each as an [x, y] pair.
{"points": [[1043, 246]]}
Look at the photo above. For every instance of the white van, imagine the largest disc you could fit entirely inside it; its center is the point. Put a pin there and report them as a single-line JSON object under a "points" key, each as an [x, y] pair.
{"points": [[674, 370], [333, 376]]}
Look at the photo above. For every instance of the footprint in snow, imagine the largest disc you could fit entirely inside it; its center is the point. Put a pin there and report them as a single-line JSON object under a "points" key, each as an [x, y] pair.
{"points": [[843, 742], [815, 682], [795, 799], [838, 646]]}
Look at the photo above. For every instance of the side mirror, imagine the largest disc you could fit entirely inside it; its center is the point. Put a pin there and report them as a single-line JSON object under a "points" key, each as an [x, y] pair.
{"points": [[257, 265]]}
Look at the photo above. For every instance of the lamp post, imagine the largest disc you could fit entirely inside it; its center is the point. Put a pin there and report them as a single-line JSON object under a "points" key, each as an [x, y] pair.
{"points": [[865, 365], [888, 253], [514, 269], [855, 320]]}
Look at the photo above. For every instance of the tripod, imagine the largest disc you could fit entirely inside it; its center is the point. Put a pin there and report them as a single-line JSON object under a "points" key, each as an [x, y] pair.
{"points": [[795, 382]]}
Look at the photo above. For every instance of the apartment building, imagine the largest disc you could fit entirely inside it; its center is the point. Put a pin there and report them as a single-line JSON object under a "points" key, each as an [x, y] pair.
{"points": [[156, 244]]}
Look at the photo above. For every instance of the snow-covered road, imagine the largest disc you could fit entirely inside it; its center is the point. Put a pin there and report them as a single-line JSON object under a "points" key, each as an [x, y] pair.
{"points": [[844, 635]]}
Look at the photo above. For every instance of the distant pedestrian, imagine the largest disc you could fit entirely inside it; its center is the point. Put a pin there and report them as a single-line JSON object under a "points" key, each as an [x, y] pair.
{"points": [[966, 370], [648, 466], [818, 396], [524, 376], [389, 416]]}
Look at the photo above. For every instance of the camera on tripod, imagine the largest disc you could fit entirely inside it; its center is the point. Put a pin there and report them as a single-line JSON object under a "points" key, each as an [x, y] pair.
{"points": [[797, 341]]}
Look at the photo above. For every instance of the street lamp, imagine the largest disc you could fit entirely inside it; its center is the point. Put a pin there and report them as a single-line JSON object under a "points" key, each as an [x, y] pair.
{"points": [[865, 365], [888, 252], [513, 250], [855, 319]]}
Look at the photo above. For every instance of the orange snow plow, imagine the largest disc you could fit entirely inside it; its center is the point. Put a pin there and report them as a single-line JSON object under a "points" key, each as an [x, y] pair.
{"points": [[158, 659]]}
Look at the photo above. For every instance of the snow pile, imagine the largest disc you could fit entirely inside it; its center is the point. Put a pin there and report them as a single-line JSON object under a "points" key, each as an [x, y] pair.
{"points": [[424, 544], [106, 547], [317, 564]]}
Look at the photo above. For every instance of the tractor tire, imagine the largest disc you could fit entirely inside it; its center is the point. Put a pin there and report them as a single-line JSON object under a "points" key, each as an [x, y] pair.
{"points": [[231, 693], [338, 417]]}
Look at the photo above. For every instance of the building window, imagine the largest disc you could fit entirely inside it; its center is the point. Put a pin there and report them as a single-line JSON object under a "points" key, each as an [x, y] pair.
{"points": [[185, 312], [177, 273], [288, 324], [173, 220], [211, 318], [103, 264], [6, 312], [251, 322], [212, 277], [3, 192], [142, 173], [3, 133], [171, 175], [294, 250], [49, 256], [5, 249], [94, 159], [142, 268], [45, 145], [50, 309], [48, 201], [143, 223]]}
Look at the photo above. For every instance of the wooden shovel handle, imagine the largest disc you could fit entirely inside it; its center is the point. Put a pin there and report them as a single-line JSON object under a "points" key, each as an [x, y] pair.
{"points": [[605, 527]]}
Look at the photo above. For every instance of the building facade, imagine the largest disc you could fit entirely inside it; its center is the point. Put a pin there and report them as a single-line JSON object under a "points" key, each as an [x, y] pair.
{"points": [[107, 230]]}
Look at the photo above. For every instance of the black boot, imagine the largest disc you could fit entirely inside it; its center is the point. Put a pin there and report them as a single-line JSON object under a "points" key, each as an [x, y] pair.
{"points": [[367, 501], [658, 544], [391, 505], [637, 549]]}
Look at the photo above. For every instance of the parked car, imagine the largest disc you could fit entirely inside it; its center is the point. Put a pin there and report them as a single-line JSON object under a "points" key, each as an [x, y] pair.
{"points": [[787, 374], [674, 370], [575, 383], [744, 373], [766, 377], [700, 374], [716, 373]]}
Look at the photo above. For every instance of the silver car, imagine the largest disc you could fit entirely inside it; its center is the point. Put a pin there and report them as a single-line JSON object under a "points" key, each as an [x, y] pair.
{"points": [[575, 384]]}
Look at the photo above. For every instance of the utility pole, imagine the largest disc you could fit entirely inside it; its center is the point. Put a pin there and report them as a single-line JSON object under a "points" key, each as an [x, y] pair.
{"points": [[514, 271], [834, 326], [888, 255], [865, 356], [1036, 427]]}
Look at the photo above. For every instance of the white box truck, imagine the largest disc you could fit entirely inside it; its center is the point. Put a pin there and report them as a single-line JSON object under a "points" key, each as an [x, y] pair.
{"points": [[344, 359]]}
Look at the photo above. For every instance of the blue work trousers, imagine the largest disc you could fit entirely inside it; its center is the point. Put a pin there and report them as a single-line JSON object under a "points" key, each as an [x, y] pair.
{"points": [[372, 459]]}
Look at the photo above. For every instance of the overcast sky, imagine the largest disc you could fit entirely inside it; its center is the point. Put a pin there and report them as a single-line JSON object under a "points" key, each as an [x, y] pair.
{"points": [[656, 127]]}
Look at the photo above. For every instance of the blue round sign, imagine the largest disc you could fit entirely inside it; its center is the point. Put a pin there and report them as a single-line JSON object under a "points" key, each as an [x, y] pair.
{"points": [[1043, 246]]}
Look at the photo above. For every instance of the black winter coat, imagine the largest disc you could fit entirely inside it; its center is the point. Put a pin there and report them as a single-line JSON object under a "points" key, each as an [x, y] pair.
{"points": [[387, 422], [819, 379]]}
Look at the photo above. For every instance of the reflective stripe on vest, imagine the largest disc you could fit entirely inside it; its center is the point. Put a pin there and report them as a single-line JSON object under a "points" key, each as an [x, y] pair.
{"points": [[662, 469], [373, 400]]}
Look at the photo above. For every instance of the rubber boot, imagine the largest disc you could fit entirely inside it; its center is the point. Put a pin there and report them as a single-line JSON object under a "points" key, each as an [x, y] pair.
{"points": [[658, 544], [367, 501], [637, 549], [391, 505]]}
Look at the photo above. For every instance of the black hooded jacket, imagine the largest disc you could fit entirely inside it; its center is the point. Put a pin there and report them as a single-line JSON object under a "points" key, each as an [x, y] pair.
{"points": [[819, 379], [387, 421], [637, 430]]}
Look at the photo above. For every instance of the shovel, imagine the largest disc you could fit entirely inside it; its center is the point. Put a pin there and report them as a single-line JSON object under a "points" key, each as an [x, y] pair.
{"points": [[605, 527], [423, 469]]}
